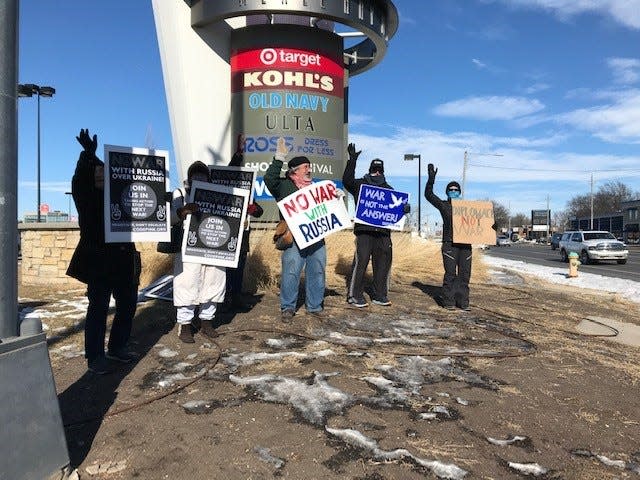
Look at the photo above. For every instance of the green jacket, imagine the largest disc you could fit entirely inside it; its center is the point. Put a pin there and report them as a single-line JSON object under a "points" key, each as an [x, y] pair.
{"points": [[280, 187]]}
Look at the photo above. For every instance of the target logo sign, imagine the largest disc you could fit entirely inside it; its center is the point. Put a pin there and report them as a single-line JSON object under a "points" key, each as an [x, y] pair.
{"points": [[268, 56]]}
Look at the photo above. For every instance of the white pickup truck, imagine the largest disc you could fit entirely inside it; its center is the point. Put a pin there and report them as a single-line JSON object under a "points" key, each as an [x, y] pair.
{"points": [[593, 246]]}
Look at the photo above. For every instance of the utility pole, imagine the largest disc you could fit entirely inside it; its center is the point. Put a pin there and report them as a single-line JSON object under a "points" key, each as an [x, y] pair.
{"points": [[548, 219], [465, 166], [591, 228]]}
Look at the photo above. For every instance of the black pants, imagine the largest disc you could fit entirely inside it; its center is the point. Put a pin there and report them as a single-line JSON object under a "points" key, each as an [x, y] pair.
{"points": [[379, 249], [456, 258], [99, 293]]}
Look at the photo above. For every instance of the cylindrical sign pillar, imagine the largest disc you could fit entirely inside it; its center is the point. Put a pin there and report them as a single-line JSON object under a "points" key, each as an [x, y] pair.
{"points": [[288, 81]]}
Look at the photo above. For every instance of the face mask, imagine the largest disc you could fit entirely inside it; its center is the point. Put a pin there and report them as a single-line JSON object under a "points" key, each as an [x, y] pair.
{"points": [[453, 194]]}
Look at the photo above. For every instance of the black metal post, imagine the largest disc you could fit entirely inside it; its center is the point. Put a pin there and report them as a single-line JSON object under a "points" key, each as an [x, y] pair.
{"points": [[419, 195], [38, 207]]}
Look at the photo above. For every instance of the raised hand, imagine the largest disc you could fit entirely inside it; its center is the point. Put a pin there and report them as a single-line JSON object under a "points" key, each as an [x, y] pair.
{"points": [[432, 171], [89, 144], [351, 150], [281, 148]]}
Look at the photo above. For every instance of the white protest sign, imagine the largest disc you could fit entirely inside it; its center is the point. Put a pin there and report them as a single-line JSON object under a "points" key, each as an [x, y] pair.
{"points": [[315, 212]]}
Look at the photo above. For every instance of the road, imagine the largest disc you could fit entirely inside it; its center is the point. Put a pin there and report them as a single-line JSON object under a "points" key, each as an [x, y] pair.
{"points": [[543, 255]]}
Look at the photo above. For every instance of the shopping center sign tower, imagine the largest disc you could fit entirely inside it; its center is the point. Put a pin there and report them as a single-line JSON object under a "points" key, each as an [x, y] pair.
{"points": [[265, 69]]}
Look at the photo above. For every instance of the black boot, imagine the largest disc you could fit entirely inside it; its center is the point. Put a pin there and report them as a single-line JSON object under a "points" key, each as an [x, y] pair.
{"points": [[185, 333], [206, 328]]}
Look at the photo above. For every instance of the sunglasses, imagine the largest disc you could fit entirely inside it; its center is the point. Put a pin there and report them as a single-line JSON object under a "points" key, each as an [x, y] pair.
{"points": [[453, 190]]}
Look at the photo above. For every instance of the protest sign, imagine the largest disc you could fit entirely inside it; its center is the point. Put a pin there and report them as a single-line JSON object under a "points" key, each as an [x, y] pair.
{"points": [[381, 207], [135, 182], [314, 212], [214, 233], [472, 222]]}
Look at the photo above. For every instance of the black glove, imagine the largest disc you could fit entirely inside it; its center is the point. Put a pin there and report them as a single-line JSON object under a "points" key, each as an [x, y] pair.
{"points": [[432, 171], [90, 145], [351, 150], [407, 208]]}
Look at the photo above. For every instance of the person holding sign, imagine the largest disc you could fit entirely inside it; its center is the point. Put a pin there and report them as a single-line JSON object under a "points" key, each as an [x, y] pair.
{"points": [[456, 257], [107, 268], [372, 242], [195, 286], [312, 258]]}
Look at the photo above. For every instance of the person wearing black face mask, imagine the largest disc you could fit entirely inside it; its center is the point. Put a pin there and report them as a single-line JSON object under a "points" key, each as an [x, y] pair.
{"points": [[371, 242], [456, 257]]}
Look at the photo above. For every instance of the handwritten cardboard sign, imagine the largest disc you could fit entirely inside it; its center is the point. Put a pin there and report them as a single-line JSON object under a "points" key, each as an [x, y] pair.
{"points": [[315, 212], [381, 207], [472, 222]]}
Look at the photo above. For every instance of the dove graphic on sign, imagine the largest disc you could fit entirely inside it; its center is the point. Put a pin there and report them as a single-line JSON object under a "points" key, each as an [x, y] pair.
{"points": [[395, 201]]}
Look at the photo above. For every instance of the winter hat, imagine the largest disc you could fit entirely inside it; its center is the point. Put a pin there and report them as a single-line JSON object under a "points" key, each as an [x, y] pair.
{"points": [[297, 161], [452, 184], [376, 165], [197, 167]]}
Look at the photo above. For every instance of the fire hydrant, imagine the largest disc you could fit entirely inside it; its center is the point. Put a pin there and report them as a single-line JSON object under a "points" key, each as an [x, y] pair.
{"points": [[573, 264]]}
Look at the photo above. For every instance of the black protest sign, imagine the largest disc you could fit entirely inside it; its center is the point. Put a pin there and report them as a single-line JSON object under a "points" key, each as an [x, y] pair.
{"points": [[214, 233], [135, 209]]}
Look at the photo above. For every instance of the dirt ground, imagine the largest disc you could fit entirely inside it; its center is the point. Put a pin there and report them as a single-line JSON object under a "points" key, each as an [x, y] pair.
{"points": [[508, 390]]}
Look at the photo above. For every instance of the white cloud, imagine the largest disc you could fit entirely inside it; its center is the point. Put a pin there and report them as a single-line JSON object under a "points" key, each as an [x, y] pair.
{"points": [[625, 12], [625, 71], [615, 122], [490, 107], [478, 63], [536, 87]]}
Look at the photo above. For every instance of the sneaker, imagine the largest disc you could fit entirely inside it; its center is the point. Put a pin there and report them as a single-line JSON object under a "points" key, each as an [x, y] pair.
{"points": [[318, 314], [383, 301], [287, 315], [358, 302], [185, 333], [207, 329], [448, 307], [99, 366], [122, 356], [466, 308]]}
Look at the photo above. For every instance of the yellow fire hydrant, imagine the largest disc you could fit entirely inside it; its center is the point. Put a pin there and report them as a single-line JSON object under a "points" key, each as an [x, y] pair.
{"points": [[573, 264]]}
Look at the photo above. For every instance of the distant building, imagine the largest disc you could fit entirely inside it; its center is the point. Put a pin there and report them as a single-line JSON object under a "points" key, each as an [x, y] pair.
{"points": [[612, 222], [631, 230], [49, 217]]}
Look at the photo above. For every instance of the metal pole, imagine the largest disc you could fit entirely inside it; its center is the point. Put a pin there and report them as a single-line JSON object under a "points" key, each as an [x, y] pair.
{"points": [[548, 217], [419, 195], [464, 173], [38, 208], [591, 228], [8, 168]]}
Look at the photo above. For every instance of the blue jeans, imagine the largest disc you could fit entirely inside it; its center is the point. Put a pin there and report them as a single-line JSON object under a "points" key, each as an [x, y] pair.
{"points": [[314, 260]]}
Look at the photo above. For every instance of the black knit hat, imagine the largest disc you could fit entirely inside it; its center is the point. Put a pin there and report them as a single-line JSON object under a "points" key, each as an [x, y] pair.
{"points": [[197, 167], [376, 165], [453, 184], [297, 161]]}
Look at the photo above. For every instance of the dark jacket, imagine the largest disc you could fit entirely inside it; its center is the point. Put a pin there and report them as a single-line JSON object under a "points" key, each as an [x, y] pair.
{"points": [[280, 187], [93, 259], [353, 187], [444, 206]]}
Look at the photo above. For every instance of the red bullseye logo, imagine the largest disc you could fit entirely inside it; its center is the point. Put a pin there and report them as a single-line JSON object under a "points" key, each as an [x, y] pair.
{"points": [[268, 56]]}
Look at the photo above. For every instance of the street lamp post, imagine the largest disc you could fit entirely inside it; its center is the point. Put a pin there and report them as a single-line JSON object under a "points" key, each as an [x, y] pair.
{"points": [[28, 90], [68, 194], [413, 156]]}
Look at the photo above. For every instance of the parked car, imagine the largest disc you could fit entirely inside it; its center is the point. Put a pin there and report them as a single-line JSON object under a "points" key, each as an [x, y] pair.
{"points": [[503, 241], [555, 240], [593, 246]]}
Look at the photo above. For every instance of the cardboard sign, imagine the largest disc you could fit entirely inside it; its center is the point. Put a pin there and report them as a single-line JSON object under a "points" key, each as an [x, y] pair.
{"points": [[135, 180], [213, 235], [381, 207], [315, 212], [472, 222]]}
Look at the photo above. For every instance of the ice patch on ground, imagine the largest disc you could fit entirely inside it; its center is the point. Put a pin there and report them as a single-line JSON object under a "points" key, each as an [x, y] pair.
{"points": [[313, 401], [528, 468], [356, 439], [265, 455], [509, 441]]}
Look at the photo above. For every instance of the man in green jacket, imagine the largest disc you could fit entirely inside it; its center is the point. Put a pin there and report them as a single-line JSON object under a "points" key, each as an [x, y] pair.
{"points": [[313, 258]]}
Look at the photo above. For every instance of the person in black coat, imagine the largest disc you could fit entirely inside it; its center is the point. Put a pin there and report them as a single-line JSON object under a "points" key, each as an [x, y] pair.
{"points": [[107, 268], [456, 257], [371, 242]]}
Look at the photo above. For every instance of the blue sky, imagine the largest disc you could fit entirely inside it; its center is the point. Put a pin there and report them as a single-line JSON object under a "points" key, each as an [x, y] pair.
{"points": [[551, 85]]}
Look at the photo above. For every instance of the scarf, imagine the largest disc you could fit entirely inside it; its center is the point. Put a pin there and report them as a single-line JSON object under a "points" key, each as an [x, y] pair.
{"points": [[376, 180]]}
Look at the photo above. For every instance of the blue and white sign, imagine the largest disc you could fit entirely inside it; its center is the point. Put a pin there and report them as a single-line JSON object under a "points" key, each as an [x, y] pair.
{"points": [[381, 207]]}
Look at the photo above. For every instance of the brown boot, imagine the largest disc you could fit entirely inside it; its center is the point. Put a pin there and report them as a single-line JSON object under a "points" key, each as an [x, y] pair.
{"points": [[206, 328], [185, 333]]}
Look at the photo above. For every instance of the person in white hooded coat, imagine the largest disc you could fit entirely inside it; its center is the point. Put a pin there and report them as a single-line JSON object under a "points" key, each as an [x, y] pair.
{"points": [[196, 287]]}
